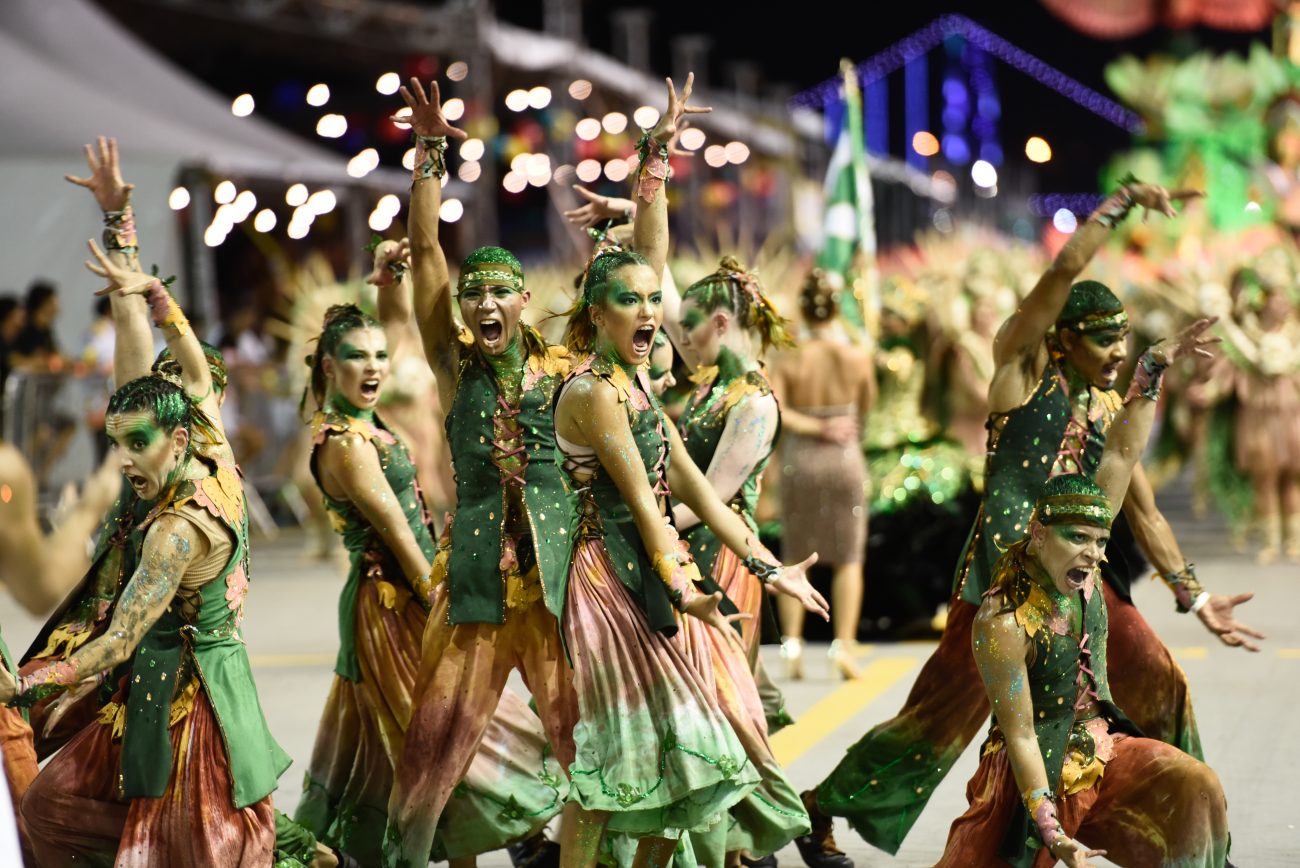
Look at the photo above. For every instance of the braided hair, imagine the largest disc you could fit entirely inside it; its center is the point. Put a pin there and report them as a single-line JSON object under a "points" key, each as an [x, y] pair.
{"points": [[819, 300], [339, 320], [167, 366], [736, 290], [580, 334], [156, 395]]}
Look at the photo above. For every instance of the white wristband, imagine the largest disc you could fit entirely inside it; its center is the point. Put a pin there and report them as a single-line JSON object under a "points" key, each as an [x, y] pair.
{"points": [[1201, 599]]}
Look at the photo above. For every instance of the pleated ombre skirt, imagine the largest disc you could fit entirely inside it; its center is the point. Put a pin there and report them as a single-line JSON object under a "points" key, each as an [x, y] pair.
{"points": [[506, 794], [75, 815], [654, 748]]}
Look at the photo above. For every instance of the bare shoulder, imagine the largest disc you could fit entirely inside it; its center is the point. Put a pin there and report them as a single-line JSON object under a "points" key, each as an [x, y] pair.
{"points": [[175, 538]]}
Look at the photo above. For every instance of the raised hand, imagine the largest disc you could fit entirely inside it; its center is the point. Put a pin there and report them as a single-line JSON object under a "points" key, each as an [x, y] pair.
{"points": [[1217, 616], [1154, 198], [598, 208], [105, 181], [678, 107], [387, 254], [426, 116], [123, 281], [793, 582], [1190, 340]]}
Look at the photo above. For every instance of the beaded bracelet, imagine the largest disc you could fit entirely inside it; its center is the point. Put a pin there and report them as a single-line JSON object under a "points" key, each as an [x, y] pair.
{"points": [[1041, 808], [654, 170], [119, 230], [1189, 595], [1115, 207], [766, 572], [430, 157], [1147, 377], [164, 309]]}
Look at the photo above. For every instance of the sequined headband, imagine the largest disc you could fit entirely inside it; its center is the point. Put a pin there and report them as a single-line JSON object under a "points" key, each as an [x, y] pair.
{"points": [[1074, 509], [490, 277], [1099, 322]]}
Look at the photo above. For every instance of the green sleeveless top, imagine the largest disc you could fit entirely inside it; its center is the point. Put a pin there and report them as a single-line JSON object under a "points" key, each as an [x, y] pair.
{"points": [[1027, 446], [1066, 673], [370, 559], [599, 509], [198, 636], [701, 427], [478, 426]]}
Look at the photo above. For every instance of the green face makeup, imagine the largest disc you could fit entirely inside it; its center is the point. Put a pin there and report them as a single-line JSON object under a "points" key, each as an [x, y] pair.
{"points": [[475, 295]]}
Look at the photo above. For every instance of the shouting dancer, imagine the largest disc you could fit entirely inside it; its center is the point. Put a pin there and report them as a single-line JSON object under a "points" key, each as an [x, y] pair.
{"points": [[1051, 406], [503, 557], [661, 746], [179, 768], [1063, 770]]}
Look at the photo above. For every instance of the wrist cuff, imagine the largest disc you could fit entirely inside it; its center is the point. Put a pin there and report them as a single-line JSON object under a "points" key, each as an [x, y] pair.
{"points": [[1201, 599]]}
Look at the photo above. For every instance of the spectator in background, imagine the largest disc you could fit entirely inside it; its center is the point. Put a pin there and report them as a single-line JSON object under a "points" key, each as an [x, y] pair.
{"points": [[12, 317], [36, 353], [100, 341]]}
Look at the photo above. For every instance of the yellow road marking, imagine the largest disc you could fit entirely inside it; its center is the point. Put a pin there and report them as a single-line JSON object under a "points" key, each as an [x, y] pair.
{"points": [[1195, 652], [1289, 653], [289, 661], [836, 708]]}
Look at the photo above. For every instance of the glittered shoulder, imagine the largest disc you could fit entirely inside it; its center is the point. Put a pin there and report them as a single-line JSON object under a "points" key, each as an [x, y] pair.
{"points": [[327, 422], [544, 360], [1033, 608], [616, 376]]}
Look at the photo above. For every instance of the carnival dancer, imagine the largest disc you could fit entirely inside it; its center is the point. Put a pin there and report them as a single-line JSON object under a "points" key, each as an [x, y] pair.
{"points": [[503, 557], [1051, 403], [656, 755], [370, 487], [1064, 774], [826, 386], [179, 769]]}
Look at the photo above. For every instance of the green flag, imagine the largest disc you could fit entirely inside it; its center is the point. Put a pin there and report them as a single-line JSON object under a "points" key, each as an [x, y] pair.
{"points": [[849, 221]]}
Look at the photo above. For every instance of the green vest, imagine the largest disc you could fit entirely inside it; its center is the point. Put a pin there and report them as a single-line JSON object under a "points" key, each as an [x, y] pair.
{"points": [[599, 509], [368, 554], [1060, 663], [204, 636], [701, 427], [1021, 457], [475, 583]]}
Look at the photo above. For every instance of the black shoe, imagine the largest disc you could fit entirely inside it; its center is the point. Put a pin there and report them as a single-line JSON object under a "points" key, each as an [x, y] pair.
{"points": [[345, 861], [768, 861], [535, 852], [818, 847]]}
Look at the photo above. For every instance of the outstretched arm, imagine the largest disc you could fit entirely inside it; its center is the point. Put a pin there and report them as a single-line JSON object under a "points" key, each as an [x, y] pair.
{"points": [[690, 486], [650, 226], [1001, 647], [39, 569], [1021, 336], [429, 273], [133, 353], [170, 546], [196, 376]]}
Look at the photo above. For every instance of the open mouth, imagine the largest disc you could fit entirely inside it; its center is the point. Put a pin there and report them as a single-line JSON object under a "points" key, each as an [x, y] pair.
{"points": [[370, 388], [643, 339], [1111, 371], [490, 330], [1077, 577], [137, 482]]}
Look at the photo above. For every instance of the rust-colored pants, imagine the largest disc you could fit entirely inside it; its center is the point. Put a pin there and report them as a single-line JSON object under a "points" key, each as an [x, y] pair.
{"points": [[463, 670], [1154, 806], [885, 780], [76, 816], [19, 760]]}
